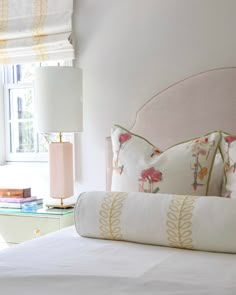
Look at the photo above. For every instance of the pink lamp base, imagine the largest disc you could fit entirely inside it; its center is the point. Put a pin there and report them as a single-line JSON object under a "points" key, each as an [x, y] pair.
{"points": [[61, 172]]}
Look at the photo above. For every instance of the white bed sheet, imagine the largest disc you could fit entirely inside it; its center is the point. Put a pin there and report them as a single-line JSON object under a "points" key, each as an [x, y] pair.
{"points": [[65, 263]]}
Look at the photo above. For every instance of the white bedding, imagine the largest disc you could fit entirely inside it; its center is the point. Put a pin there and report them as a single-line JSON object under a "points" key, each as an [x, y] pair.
{"points": [[65, 263]]}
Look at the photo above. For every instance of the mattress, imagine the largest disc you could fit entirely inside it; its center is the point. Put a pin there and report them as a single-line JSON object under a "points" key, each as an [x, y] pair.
{"points": [[65, 263]]}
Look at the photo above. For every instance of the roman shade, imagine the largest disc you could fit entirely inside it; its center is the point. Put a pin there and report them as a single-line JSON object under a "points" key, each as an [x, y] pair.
{"points": [[36, 30]]}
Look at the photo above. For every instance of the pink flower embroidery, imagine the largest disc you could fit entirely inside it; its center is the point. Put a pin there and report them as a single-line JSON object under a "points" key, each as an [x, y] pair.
{"points": [[124, 137], [229, 139], [118, 167], [150, 176], [201, 140], [228, 196]]}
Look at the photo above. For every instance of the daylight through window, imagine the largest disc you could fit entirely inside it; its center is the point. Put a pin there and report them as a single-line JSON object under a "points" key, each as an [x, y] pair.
{"points": [[23, 143]]}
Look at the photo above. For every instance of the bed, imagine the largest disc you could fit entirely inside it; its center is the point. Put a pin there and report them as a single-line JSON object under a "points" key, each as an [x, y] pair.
{"points": [[66, 262]]}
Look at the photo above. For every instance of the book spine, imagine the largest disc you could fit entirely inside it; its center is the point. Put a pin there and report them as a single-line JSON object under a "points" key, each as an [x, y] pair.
{"points": [[17, 200], [16, 193]]}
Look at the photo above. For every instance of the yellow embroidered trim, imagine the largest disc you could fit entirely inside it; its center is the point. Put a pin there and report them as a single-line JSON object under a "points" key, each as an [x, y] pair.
{"points": [[4, 59], [110, 212], [40, 14], [179, 221]]}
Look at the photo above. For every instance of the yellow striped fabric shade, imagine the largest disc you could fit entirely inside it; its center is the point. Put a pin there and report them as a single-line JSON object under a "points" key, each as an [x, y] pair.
{"points": [[36, 30]]}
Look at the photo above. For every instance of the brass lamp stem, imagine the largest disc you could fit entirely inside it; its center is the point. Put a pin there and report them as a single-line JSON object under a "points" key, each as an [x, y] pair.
{"points": [[60, 137]]}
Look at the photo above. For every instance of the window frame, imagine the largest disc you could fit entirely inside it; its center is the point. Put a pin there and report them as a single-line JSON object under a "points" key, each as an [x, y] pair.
{"points": [[14, 156], [6, 156], [2, 120]]}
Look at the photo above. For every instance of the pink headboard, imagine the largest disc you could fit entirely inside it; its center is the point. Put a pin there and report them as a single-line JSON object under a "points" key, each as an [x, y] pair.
{"points": [[192, 107]]}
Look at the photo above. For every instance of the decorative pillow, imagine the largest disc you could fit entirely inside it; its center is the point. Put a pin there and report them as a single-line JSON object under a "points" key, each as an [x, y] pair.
{"points": [[189, 222], [184, 168], [228, 150]]}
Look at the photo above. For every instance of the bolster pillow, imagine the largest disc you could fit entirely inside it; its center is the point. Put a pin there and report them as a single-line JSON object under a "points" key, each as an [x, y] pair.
{"points": [[190, 222]]}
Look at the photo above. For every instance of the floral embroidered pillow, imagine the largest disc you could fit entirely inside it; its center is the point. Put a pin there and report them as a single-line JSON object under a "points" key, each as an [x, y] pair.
{"points": [[184, 168], [228, 151]]}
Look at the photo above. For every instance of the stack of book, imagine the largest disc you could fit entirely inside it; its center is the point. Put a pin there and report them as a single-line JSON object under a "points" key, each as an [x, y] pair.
{"points": [[16, 198]]}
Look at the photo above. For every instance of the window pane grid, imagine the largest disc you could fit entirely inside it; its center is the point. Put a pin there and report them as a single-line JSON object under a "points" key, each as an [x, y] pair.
{"points": [[22, 138]]}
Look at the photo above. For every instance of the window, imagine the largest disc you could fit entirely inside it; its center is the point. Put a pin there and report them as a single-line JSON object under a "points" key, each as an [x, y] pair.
{"points": [[22, 142]]}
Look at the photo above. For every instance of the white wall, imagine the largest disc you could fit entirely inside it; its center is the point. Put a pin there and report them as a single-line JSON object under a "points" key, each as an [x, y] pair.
{"points": [[131, 49], [20, 175]]}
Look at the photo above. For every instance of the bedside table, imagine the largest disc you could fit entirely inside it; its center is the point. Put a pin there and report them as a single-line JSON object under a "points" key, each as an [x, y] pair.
{"points": [[17, 226]]}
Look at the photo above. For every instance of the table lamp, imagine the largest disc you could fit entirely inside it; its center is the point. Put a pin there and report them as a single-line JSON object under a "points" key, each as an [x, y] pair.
{"points": [[58, 108]]}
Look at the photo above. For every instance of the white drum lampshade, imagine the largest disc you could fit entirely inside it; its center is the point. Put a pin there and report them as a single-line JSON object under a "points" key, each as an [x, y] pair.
{"points": [[58, 107]]}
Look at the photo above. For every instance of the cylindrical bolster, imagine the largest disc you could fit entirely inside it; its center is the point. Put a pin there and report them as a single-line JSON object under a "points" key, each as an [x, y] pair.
{"points": [[190, 222]]}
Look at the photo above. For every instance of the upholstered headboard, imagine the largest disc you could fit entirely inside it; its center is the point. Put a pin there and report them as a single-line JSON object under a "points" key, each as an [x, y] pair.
{"points": [[197, 105]]}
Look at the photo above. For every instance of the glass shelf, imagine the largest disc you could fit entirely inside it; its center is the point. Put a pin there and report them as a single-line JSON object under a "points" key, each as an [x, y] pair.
{"points": [[44, 210]]}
